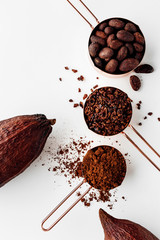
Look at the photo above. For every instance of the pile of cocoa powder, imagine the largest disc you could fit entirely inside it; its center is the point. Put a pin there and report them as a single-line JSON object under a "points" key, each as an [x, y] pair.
{"points": [[67, 162]]}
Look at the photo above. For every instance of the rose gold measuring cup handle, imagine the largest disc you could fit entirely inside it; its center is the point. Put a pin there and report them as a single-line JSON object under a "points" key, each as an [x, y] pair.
{"points": [[60, 204], [141, 151], [144, 140], [89, 11], [81, 13]]}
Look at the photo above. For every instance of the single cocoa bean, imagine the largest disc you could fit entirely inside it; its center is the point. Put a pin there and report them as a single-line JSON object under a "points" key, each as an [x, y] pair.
{"points": [[130, 48], [139, 38], [122, 53], [96, 39], [116, 23], [125, 36], [108, 30], [130, 27], [135, 82], [101, 34], [98, 62], [115, 44], [102, 26], [144, 68], [138, 47], [128, 64], [111, 66], [110, 38], [139, 56], [106, 53], [93, 49]]}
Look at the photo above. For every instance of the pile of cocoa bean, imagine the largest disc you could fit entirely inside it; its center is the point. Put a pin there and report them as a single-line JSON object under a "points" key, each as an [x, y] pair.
{"points": [[116, 46]]}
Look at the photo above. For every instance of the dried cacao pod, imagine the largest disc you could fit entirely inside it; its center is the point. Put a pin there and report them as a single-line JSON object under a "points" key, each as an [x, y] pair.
{"points": [[22, 139], [121, 229]]}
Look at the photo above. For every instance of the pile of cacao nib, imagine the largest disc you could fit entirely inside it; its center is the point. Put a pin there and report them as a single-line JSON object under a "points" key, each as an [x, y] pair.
{"points": [[108, 111], [116, 46]]}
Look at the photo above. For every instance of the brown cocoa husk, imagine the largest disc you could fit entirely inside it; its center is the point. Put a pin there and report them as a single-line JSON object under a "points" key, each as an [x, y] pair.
{"points": [[22, 139], [121, 229]]}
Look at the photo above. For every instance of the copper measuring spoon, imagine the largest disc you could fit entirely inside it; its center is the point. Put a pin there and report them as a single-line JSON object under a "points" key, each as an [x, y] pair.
{"points": [[94, 29], [117, 178], [97, 118]]}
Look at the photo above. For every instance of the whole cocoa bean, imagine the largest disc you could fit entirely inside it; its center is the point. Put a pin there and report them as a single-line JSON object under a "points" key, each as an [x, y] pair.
{"points": [[128, 64], [108, 30], [130, 48], [115, 44], [101, 34], [139, 56], [138, 47], [111, 66], [135, 82], [144, 68], [93, 49], [125, 36], [98, 62], [102, 26], [116, 23], [106, 53], [96, 39], [130, 27], [122, 53], [139, 38], [110, 38]]}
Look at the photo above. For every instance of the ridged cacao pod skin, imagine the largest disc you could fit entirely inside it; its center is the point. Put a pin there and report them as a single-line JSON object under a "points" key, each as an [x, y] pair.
{"points": [[121, 229], [22, 139]]}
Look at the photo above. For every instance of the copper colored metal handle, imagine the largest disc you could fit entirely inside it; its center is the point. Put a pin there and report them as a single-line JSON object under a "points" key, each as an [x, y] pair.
{"points": [[134, 144], [60, 204], [81, 13], [144, 140]]}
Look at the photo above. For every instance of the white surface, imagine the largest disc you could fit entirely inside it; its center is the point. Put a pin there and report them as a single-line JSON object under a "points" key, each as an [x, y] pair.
{"points": [[37, 39]]}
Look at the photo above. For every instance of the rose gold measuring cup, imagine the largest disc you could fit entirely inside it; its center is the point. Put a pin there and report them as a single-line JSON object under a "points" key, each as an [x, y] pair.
{"points": [[104, 73], [122, 130], [116, 181]]}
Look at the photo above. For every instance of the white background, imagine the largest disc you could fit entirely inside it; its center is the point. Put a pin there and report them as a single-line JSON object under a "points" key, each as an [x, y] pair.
{"points": [[37, 39]]}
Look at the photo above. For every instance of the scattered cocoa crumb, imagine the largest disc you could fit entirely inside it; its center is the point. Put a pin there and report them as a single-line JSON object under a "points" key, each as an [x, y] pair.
{"points": [[85, 96], [74, 70], [145, 117], [75, 105], [125, 154], [79, 89], [78, 194], [70, 100], [92, 90], [150, 113], [158, 119], [60, 79], [67, 68], [81, 78], [43, 164], [123, 197], [95, 86], [97, 77], [81, 104], [140, 124], [139, 105]]}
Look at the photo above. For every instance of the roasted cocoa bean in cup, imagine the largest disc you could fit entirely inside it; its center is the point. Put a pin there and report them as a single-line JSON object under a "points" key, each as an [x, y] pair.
{"points": [[116, 46], [107, 111]]}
